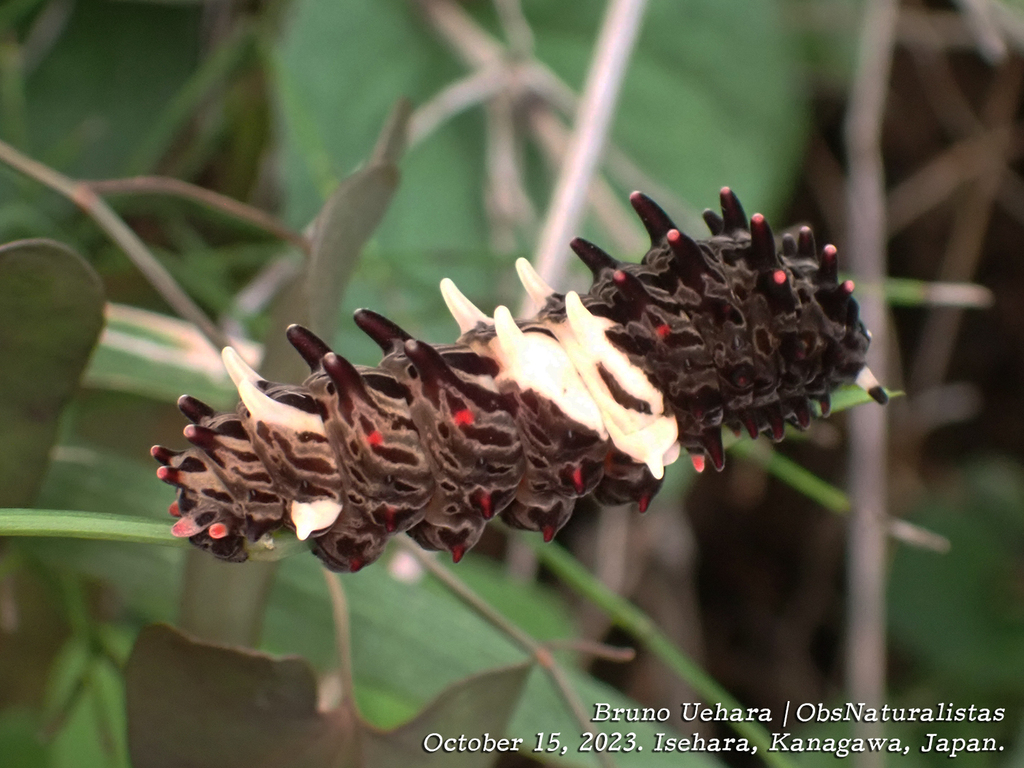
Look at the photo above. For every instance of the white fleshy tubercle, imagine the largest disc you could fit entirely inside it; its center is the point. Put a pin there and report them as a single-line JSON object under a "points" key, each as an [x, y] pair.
{"points": [[310, 516], [536, 288], [236, 367], [648, 438], [651, 445], [465, 312], [590, 331], [672, 453], [866, 380], [536, 361], [264, 408], [645, 437]]}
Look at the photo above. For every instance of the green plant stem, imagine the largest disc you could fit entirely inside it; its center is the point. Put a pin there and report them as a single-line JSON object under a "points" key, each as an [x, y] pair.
{"points": [[92, 204], [639, 625], [85, 525], [830, 497], [105, 526], [904, 292], [342, 635]]}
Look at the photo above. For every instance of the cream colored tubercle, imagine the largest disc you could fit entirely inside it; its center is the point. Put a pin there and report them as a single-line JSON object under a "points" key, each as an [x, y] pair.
{"points": [[866, 380], [590, 331], [465, 312], [536, 361], [311, 516], [536, 288], [655, 445], [263, 408], [564, 370], [648, 438]]}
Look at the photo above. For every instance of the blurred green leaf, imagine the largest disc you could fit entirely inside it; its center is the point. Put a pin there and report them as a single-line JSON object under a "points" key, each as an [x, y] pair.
{"points": [[712, 98], [532, 607], [146, 578], [51, 312], [962, 614], [241, 708], [97, 481], [478, 705], [67, 676], [161, 357], [20, 743], [212, 73], [410, 641], [80, 743], [396, 630], [342, 228], [107, 688], [115, 93], [12, 12], [340, 231], [190, 703], [13, 126]]}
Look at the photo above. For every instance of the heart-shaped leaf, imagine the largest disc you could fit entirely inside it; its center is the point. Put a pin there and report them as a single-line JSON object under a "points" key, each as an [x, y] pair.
{"points": [[479, 706], [197, 704]]}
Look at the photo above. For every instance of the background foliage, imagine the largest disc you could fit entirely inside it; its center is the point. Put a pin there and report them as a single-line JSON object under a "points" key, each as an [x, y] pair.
{"points": [[273, 103]]}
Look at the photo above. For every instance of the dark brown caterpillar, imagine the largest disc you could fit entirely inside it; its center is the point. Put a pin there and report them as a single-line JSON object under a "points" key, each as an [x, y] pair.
{"points": [[596, 393]]}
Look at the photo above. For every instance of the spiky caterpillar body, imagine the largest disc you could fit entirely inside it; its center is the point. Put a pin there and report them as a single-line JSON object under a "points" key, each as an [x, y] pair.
{"points": [[596, 393]]}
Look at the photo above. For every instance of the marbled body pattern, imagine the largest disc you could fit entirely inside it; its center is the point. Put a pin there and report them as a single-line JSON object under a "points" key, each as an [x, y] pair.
{"points": [[596, 393]]}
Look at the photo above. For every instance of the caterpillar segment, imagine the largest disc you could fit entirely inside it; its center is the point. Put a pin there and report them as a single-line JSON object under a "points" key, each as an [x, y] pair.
{"points": [[595, 394]]}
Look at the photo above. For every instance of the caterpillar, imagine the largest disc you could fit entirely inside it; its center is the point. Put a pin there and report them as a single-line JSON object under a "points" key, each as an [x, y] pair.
{"points": [[596, 393]]}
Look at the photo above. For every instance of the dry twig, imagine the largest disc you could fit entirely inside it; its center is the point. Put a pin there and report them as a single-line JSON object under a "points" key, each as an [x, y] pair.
{"points": [[866, 243]]}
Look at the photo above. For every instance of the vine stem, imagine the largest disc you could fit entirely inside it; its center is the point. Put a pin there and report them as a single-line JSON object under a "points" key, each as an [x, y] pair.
{"points": [[165, 185], [86, 525], [108, 526], [614, 48], [866, 238], [82, 195], [342, 635]]}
